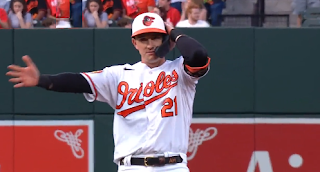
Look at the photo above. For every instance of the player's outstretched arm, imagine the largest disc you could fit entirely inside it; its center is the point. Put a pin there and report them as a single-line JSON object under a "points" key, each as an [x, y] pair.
{"points": [[30, 76], [195, 55]]}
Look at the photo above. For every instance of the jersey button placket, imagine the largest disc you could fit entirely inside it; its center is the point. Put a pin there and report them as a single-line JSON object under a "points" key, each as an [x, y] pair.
{"points": [[146, 79]]}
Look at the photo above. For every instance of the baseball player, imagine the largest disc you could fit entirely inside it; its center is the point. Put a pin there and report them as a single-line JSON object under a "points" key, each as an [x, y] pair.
{"points": [[152, 99]]}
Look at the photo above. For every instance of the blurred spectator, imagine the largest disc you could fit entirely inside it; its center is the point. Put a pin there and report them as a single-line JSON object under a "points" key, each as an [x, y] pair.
{"points": [[124, 22], [203, 10], [94, 16], [37, 8], [161, 12], [113, 8], [49, 22], [300, 6], [76, 13], [214, 8], [5, 4], [60, 11], [172, 14], [18, 15], [3, 19], [132, 8], [193, 12], [84, 2], [178, 4]]}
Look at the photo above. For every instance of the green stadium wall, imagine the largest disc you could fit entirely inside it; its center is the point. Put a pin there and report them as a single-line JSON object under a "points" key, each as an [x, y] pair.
{"points": [[254, 72]]}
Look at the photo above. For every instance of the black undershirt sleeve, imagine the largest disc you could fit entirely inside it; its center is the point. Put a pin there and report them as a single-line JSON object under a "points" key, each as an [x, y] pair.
{"points": [[194, 54], [65, 82]]}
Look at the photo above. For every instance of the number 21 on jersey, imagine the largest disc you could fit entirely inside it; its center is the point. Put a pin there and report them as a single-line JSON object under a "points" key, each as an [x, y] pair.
{"points": [[167, 109]]}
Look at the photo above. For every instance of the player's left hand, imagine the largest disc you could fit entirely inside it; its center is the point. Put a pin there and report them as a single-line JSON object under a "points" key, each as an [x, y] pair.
{"points": [[169, 27]]}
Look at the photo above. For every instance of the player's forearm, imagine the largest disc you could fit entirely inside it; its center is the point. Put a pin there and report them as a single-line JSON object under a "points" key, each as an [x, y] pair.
{"points": [[65, 82], [194, 54]]}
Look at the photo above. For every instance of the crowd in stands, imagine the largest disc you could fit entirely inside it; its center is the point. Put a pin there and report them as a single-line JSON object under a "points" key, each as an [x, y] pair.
{"points": [[28, 14], [179, 13], [106, 13], [300, 6]]}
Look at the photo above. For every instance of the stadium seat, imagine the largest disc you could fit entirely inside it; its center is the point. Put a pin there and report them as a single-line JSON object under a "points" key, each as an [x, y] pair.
{"points": [[311, 13], [311, 23]]}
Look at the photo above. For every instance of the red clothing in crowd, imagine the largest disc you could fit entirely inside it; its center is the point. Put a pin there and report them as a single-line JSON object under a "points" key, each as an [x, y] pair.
{"points": [[173, 16], [3, 16], [63, 11], [135, 7]]}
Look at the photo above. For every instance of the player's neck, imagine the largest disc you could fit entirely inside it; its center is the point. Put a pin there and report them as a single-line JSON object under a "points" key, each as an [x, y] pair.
{"points": [[155, 64]]}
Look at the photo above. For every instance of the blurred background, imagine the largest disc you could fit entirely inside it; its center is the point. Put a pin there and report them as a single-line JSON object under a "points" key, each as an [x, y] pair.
{"points": [[180, 13], [256, 73]]}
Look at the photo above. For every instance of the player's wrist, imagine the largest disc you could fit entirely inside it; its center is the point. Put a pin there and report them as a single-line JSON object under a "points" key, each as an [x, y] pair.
{"points": [[44, 81], [175, 34]]}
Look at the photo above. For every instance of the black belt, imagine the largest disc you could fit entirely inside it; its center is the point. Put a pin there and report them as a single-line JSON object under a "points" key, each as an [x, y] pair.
{"points": [[154, 161]]}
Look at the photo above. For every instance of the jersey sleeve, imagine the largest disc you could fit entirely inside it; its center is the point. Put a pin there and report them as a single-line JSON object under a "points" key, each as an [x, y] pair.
{"points": [[187, 78], [103, 84]]}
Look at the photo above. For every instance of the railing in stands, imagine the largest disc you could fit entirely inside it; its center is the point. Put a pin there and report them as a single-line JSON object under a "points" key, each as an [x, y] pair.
{"points": [[252, 20]]}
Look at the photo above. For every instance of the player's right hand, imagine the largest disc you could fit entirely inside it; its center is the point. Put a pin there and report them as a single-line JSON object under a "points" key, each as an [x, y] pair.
{"points": [[24, 76]]}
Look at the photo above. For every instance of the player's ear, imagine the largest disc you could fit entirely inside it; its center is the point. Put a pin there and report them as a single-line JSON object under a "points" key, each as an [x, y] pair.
{"points": [[134, 43]]}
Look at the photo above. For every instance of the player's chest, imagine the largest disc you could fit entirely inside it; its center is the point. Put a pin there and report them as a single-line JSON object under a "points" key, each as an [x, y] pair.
{"points": [[139, 87]]}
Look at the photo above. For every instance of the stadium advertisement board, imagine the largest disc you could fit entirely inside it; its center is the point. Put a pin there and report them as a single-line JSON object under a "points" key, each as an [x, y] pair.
{"points": [[254, 145], [50, 146]]}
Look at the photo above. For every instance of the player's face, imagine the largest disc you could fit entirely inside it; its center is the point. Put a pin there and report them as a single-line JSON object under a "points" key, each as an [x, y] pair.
{"points": [[195, 14], [146, 45], [17, 7], [93, 6]]}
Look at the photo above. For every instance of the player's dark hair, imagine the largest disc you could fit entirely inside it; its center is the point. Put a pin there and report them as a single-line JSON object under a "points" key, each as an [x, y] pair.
{"points": [[96, 1], [24, 6]]}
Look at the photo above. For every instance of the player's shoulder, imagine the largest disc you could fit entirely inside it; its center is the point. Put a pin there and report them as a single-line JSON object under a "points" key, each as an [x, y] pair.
{"points": [[178, 60], [119, 69], [175, 62], [122, 66]]}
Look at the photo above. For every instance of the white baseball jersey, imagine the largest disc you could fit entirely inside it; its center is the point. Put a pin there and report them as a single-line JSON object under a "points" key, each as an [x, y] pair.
{"points": [[153, 106]]}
